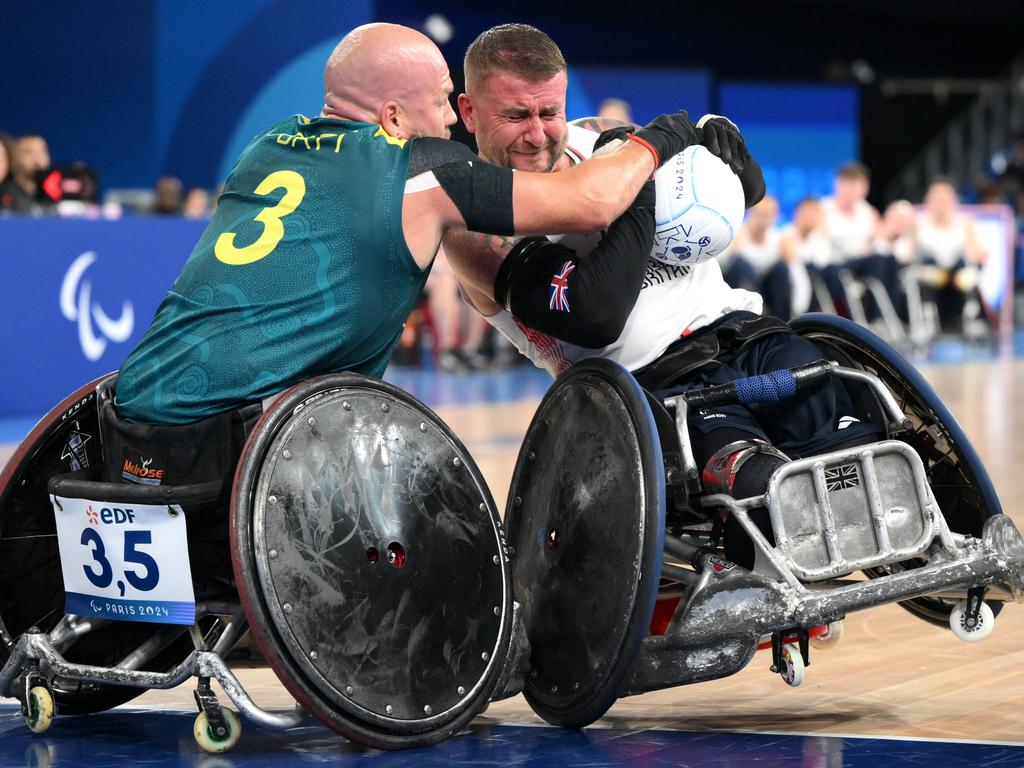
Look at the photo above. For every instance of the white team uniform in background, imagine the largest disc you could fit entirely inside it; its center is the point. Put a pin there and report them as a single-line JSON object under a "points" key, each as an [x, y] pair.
{"points": [[764, 255], [674, 301], [849, 234], [946, 245]]}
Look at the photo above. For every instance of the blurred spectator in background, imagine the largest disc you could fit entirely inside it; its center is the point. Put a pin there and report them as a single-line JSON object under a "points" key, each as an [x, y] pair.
{"points": [[449, 314], [5, 160], [197, 204], [615, 109], [1009, 168], [755, 249], [894, 241], [803, 244], [168, 196], [949, 254], [850, 222], [18, 192]]}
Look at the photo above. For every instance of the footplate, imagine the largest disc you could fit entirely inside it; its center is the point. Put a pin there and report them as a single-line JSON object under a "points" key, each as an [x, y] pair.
{"points": [[859, 508]]}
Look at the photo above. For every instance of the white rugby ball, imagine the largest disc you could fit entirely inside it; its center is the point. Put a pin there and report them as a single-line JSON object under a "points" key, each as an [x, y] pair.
{"points": [[699, 210]]}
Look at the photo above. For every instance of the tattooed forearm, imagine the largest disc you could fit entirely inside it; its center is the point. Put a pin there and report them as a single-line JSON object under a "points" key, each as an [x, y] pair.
{"points": [[476, 258], [475, 245], [598, 124]]}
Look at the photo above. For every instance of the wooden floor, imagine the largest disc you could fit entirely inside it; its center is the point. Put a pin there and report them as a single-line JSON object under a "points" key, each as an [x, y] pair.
{"points": [[891, 675]]}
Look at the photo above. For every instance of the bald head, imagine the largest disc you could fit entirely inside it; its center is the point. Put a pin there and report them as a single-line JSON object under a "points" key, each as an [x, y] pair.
{"points": [[391, 75]]}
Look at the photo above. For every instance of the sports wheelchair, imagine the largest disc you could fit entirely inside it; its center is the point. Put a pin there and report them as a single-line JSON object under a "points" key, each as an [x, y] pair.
{"points": [[362, 548], [616, 559]]}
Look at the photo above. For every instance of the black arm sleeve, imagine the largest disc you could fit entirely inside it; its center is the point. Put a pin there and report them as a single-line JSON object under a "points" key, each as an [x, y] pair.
{"points": [[752, 180], [481, 191], [600, 288]]}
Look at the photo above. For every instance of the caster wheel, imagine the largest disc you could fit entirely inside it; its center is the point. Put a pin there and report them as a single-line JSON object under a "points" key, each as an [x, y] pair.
{"points": [[210, 742], [831, 636], [791, 665], [982, 629], [40, 709]]}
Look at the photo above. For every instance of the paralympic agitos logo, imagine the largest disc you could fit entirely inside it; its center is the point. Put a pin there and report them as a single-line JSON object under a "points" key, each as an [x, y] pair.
{"points": [[76, 305]]}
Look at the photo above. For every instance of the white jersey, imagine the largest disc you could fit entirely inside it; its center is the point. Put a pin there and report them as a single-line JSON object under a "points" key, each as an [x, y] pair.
{"points": [[763, 255], [946, 245], [813, 249], [849, 233], [902, 248], [673, 302]]}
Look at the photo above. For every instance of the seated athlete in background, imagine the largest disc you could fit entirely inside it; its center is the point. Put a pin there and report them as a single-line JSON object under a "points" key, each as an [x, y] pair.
{"points": [[327, 228], [668, 324]]}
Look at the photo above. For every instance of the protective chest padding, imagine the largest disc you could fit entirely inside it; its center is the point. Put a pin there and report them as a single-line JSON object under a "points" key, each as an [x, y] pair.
{"points": [[481, 191]]}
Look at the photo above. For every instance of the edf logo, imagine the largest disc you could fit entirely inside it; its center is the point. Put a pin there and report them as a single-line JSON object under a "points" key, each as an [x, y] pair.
{"points": [[117, 516]]}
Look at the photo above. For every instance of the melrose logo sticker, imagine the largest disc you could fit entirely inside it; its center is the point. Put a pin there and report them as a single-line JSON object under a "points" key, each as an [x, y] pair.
{"points": [[77, 306]]}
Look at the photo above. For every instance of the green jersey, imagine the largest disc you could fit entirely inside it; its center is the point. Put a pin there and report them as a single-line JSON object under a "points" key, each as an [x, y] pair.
{"points": [[303, 270]]}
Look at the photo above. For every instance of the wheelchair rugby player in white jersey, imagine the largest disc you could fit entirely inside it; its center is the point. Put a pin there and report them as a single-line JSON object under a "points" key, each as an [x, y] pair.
{"points": [[700, 478]]}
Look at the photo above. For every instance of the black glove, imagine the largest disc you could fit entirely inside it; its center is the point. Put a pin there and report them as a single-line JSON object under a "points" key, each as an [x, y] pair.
{"points": [[724, 140], [667, 134], [647, 198]]}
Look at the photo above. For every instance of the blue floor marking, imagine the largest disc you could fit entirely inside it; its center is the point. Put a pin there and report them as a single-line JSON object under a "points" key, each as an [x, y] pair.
{"points": [[146, 737]]}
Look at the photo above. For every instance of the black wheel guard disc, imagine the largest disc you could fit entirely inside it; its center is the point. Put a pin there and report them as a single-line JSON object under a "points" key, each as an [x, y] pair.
{"points": [[586, 519], [376, 559]]}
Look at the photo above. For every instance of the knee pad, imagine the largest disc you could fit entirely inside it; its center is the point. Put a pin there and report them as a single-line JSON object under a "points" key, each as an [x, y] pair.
{"points": [[742, 468]]}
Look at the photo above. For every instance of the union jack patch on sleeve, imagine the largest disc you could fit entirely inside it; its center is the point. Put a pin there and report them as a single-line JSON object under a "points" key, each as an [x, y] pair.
{"points": [[559, 300]]}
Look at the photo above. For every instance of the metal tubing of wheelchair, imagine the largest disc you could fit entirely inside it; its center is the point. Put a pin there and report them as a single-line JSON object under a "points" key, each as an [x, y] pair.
{"points": [[231, 632], [739, 511], [72, 627], [683, 432], [899, 419], [987, 568], [682, 575], [212, 665], [682, 549], [996, 592], [38, 647], [151, 647], [731, 613]]}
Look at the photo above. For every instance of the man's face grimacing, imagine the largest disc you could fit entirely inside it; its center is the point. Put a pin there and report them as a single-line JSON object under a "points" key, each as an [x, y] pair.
{"points": [[518, 123]]}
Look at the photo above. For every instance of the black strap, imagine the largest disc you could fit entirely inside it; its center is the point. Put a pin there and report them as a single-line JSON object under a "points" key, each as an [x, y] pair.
{"points": [[707, 348]]}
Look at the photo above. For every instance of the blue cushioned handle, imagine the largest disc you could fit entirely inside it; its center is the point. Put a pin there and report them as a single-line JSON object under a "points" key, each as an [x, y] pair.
{"points": [[767, 388]]}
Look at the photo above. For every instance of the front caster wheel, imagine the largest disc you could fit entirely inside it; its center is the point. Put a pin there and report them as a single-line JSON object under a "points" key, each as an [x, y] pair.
{"points": [[791, 664], [40, 709], [211, 742], [971, 631]]}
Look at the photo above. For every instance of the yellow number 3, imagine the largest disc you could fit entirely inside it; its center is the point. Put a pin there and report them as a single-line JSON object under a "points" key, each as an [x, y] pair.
{"points": [[273, 230]]}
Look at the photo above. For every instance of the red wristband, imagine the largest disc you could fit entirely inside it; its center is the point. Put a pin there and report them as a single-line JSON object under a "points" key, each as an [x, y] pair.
{"points": [[650, 148]]}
